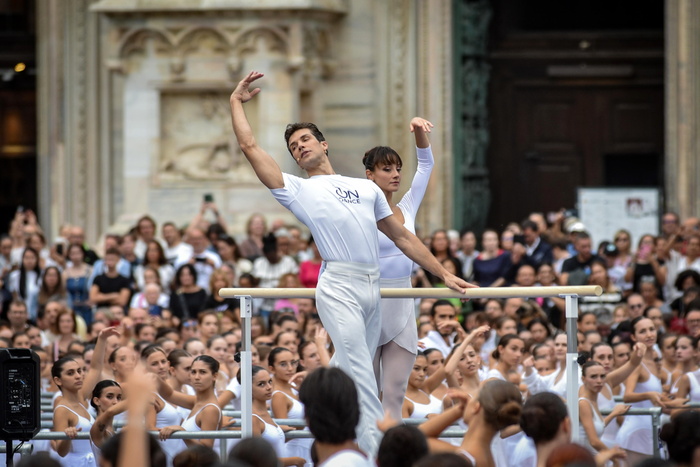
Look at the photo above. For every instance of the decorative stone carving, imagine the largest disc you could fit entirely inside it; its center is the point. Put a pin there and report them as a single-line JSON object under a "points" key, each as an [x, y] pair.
{"points": [[196, 139]]}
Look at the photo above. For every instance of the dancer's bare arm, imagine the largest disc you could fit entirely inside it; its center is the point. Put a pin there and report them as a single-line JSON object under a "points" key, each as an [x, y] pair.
{"points": [[412, 247], [264, 165]]}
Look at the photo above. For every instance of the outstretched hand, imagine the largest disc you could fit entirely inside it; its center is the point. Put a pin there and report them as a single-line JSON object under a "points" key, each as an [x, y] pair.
{"points": [[243, 92], [420, 124], [457, 284]]}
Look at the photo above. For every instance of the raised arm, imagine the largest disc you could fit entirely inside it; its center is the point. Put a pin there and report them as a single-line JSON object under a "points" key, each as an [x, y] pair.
{"points": [[420, 128], [412, 247], [413, 198], [451, 365], [94, 375], [263, 164], [619, 375]]}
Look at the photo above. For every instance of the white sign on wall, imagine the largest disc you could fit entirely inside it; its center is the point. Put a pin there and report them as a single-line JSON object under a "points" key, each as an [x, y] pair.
{"points": [[604, 211]]}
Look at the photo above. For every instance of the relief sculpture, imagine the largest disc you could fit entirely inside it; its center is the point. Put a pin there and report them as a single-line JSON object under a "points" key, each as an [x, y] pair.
{"points": [[196, 139]]}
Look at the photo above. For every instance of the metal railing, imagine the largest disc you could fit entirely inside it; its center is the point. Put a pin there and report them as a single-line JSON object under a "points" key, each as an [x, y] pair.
{"points": [[570, 294]]}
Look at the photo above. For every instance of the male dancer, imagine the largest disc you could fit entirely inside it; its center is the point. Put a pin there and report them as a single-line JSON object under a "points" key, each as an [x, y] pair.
{"points": [[343, 215]]}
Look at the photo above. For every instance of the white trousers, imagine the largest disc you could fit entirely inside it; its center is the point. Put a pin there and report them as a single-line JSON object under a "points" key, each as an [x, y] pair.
{"points": [[347, 298]]}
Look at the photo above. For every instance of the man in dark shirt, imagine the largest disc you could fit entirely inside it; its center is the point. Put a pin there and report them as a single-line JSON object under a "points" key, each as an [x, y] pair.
{"points": [[575, 270], [538, 251], [110, 288]]}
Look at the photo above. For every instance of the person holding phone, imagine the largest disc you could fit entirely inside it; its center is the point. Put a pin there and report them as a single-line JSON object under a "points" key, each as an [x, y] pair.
{"points": [[646, 265]]}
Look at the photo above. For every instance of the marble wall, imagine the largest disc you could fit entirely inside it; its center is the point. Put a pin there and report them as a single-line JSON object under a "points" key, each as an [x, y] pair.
{"points": [[149, 94]]}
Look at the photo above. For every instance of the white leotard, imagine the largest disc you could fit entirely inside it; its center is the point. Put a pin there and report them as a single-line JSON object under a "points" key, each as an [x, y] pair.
{"points": [[81, 453], [190, 424], [393, 264], [299, 447], [636, 431], [274, 435], [610, 431], [694, 393], [169, 416], [423, 410], [598, 425]]}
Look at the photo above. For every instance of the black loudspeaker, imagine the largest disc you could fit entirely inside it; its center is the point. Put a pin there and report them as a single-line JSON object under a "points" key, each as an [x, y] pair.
{"points": [[20, 394]]}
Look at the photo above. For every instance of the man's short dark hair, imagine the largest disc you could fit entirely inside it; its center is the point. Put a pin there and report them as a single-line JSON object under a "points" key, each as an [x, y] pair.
{"points": [[331, 405], [294, 127], [402, 445], [528, 224], [441, 302], [581, 236]]}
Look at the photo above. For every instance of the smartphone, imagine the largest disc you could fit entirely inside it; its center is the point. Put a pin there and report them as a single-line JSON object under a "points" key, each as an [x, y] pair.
{"points": [[200, 260], [208, 198], [59, 249], [519, 239]]}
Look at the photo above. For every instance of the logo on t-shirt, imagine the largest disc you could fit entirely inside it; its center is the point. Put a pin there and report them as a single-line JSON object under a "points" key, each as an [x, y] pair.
{"points": [[348, 196]]}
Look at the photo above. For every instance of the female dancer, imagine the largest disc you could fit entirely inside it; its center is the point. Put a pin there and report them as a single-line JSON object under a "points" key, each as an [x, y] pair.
{"points": [[107, 402], [167, 414], [667, 345], [71, 413], [591, 421], [418, 401], [466, 359], [498, 406], [205, 413], [686, 359], [263, 424], [399, 339], [614, 377], [122, 361], [688, 386], [507, 356], [179, 379], [282, 364], [217, 348], [643, 389]]}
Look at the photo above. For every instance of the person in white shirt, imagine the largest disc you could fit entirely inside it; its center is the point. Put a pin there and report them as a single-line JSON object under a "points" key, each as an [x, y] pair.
{"points": [[203, 260], [176, 251], [343, 215], [447, 328]]}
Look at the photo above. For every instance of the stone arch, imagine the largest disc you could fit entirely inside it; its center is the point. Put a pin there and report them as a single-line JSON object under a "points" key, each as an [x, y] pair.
{"points": [[190, 39], [245, 41], [135, 41]]}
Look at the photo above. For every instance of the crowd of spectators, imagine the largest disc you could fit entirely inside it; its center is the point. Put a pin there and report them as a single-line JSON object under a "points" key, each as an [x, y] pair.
{"points": [[159, 284]]}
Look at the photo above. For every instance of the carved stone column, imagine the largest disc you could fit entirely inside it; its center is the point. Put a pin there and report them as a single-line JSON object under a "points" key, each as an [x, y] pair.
{"points": [[683, 107], [472, 70], [69, 188], [434, 69]]}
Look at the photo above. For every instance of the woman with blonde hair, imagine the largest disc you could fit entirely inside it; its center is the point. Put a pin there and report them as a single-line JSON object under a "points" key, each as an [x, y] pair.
{"points": [[219, 279]]}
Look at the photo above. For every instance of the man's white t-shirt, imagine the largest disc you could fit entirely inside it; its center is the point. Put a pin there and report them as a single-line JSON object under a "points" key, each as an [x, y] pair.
{"points": [[341, 213], [347, 458]]}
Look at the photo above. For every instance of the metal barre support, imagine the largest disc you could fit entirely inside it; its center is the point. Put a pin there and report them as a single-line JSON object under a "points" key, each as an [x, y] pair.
{"points": [[483, 292]]}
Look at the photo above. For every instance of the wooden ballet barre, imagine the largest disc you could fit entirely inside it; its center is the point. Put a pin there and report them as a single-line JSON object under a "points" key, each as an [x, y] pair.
{"points": [[482, 292]]}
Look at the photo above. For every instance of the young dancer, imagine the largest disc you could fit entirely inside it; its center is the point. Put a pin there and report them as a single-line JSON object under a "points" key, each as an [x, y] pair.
{"points": [[399, 338], [343, 215]]}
